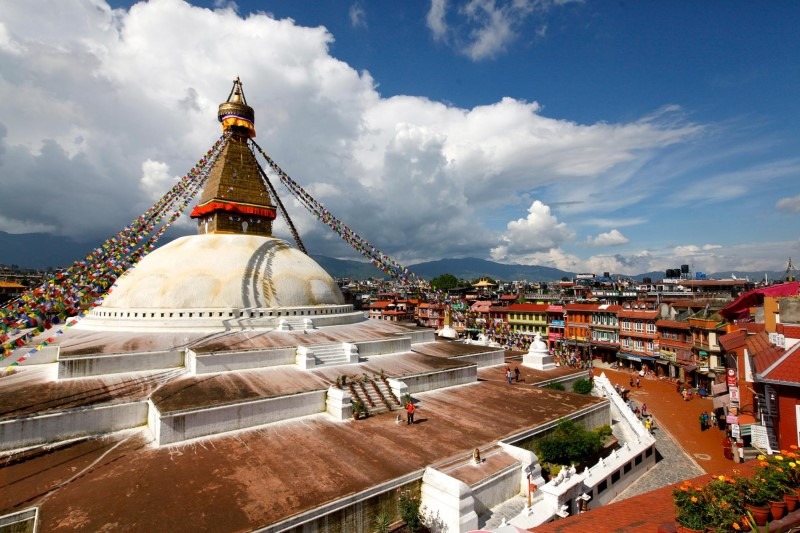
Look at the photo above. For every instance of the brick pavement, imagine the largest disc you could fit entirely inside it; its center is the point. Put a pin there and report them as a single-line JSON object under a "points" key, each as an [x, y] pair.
{"points": [[678, 417]]}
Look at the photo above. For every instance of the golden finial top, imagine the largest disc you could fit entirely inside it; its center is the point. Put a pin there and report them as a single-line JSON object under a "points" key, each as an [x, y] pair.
{"points": [[235, 114]]}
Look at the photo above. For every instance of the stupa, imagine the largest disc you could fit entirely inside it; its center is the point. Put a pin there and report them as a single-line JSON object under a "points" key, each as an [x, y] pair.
{"points": [[213, 390], [538, 356]]}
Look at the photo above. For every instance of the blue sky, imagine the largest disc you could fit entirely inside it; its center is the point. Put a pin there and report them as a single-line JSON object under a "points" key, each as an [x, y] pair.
{"points": [[589, 136]]}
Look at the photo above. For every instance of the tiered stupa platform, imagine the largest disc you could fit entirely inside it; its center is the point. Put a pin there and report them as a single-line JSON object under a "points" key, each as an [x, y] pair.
{"points": [[213, 371]]}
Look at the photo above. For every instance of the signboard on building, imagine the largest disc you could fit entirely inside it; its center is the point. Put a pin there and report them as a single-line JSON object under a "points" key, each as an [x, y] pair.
{"points": [[734, 393], [731, 375], [735, 431], [758, 437]]}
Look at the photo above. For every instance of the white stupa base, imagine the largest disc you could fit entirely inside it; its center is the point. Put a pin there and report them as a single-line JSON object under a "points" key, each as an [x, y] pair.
{"points": [[539, 361]]}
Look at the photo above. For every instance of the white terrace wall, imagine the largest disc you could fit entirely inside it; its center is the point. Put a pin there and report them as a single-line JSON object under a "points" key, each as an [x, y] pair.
{"points": [[101, 364], [384, 346], [499, 488], [29, 430], [422, 335], [441, 379], [488, 358], [566, 381], [174, 427], [48, 354], [227, 361]]}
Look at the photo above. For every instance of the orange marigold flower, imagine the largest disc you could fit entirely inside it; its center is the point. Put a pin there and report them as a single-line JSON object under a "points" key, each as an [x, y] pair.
{"points": [[694, 499], [793, 446], [736, 526]]}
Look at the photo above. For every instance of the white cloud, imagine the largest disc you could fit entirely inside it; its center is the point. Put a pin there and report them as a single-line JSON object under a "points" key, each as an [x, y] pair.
{"points": [[106, 108], [539, 232], [609, 238], [358, 17], [484, 29], [790, 204], [436, 19]]}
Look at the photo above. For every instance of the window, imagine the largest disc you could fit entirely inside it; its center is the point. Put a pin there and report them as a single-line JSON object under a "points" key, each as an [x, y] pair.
{"points": [[638, 345], [651, 328], [638, 326], [625, 325]]}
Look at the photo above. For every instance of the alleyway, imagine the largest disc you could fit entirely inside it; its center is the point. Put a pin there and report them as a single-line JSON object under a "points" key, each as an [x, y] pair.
{"points": [[678, 417]]}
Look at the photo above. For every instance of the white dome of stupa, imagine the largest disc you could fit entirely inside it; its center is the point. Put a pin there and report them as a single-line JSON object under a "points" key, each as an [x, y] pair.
{"points": [[199, 279]]}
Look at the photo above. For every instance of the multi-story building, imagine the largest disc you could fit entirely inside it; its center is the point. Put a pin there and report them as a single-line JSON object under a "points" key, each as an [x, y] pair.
{"points": [[638, 337], [577, 326], [390, 310], [604, 332], [674, 349], [528, 319], [430, 315], [555, 325], [706, 328]]}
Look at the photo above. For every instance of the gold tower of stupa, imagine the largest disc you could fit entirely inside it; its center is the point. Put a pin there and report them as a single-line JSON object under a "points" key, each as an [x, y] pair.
{"points": [[235, 198]]}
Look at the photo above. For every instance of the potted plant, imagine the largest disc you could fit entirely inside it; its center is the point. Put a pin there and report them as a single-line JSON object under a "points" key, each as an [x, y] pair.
{"points": [[774, 482], [359, 410], [725, 507], [692, 508]]}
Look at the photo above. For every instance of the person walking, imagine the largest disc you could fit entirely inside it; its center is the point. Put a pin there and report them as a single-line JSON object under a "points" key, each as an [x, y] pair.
{"points": [[631, 381], [702, 422], [509, 375], [644, 409], [648, 425], [638, 383], [713, 421], [516, 374]]}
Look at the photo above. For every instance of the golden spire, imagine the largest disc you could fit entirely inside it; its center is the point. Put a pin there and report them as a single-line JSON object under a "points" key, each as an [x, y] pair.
{"points": [[235, 199], [235, 114]]}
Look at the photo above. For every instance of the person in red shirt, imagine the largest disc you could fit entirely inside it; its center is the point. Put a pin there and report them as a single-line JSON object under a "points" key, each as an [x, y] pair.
{"points": [[410, 413]]}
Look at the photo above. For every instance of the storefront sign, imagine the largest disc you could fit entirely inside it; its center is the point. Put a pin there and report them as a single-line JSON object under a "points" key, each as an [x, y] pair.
{"points": [[758, 437], [734, 392], [731, 377], [731, 419], [735, 431]]}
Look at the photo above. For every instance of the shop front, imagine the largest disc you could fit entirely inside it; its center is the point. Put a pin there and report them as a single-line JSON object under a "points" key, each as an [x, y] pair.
{"points": [[637, 362]]}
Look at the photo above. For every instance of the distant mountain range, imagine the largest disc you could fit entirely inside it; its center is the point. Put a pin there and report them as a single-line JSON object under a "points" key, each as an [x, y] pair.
{"points": [[42, 250]]}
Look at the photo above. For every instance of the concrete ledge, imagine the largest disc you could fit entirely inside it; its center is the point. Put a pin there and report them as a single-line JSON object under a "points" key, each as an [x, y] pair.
{"points": [[188, 424], [492, 357], [441, 379], [384, 346], [101, 364], [31, 430], [227, 361]]}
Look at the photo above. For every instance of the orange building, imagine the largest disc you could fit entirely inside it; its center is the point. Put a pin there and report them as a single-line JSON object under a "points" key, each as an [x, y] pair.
{"points": [[638, 335]]}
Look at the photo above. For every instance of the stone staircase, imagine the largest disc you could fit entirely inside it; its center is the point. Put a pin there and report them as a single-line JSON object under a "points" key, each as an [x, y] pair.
{"points": [[331, 354], [375, 395], [293, 324]]}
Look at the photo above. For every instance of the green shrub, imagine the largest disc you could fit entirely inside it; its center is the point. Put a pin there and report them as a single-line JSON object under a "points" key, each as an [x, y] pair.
{"points": [[582, 386], [409, 511], [554, 386]]}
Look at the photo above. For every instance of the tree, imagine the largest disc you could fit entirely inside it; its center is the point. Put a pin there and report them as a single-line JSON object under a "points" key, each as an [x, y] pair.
{"points": [[570, 443], [444, 282]]}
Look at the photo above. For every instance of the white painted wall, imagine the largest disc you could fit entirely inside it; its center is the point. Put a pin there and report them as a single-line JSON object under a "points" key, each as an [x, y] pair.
{"points": [[95, 420]]}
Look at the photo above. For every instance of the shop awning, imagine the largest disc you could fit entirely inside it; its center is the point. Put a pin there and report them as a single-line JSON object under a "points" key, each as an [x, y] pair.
{"points": [[638, 358]]}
